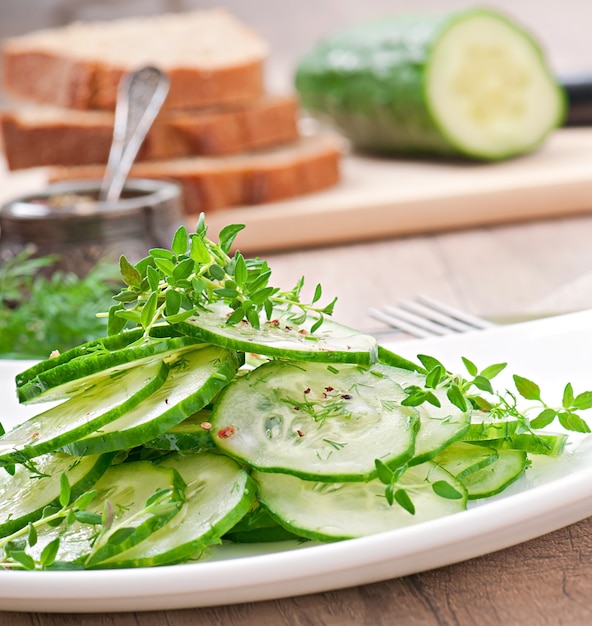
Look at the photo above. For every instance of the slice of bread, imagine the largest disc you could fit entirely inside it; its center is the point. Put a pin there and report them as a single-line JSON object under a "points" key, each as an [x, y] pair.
{"points": [[305, 166], [210, 57], [41, 136]]}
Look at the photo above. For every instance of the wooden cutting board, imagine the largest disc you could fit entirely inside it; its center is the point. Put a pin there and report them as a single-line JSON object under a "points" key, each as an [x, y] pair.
{"points": [[380, 198]]}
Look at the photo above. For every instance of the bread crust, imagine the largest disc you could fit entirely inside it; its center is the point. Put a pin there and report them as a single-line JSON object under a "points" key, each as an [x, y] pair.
{"points": [[42, 136], [209, 184], [79, 66]]}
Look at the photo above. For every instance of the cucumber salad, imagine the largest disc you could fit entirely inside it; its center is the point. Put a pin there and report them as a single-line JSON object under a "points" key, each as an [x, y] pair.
{"points": [[222, 409]]}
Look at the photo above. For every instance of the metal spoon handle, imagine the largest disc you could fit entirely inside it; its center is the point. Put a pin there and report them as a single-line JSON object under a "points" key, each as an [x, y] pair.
{"points": [[139, 99]]}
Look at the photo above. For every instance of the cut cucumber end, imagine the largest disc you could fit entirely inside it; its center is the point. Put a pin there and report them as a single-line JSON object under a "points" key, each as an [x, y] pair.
{"points": [[489, 87]]}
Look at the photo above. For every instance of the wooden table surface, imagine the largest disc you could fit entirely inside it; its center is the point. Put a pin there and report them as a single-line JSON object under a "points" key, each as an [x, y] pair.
{"points": [[504, 272]]}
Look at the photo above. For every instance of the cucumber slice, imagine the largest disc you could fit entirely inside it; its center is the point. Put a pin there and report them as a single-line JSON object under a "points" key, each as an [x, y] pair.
{"points": [[191, 435], [195, 378], [461, 459], [24, 497], [110, 398], [316, 421], [257, 526], [334, 511], [85, 366], [469, 83], [496, 476], [483, 427], [219, 493], [547, 444], [281, 338], [127, 487]]}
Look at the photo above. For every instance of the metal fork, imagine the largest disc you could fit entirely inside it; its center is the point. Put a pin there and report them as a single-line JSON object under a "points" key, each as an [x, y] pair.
{"points": [[426, 317]]}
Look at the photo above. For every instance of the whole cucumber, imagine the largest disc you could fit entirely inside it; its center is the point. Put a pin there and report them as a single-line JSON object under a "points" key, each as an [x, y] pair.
{"points": [[469, 83]]}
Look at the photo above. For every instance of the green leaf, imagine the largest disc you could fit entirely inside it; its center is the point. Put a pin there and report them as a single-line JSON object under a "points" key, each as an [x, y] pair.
{"points": [[526, 388], [493, 370], [223, 292], [317, 324], [23, 558], [259, 282], [389, 494], [161, 253], [32, 535], [180, 241], [153, 278], [198, 251], [184, 269], [544, 418], [429, 362], [432, 399], [159, 495], [49, 552], [434, 376], [172, 300], [240, 270], [253, 318], [573, 422], [217, 272], [455, 395], [179, 317], [84, 500], [237, 315], [568, 396], [165, 266], [260, 296], [402, 498], [88, 517], [583, 401], [328, 310], [446, 490], [129, 273], [65, 491], [482, 383], [317, 294], [149, 310], [470, 366], [228, 235], [383, 472]]}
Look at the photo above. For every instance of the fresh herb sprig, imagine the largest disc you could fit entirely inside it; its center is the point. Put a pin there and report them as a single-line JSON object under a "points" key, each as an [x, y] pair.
{"points": [[40, 313], [172, 285]]}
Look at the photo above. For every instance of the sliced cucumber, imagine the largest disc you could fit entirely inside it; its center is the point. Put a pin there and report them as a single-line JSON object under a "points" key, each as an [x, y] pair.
{"points": [[317, 421], [218, 494], [24, 496], [548, 444], [191, 435], [496, 476], [195, 378], [334, 511], [483, 427], [461, 459], [110, 398], [281, 338], [127, 487], [257, 526], [469, 82], [46, 382]]}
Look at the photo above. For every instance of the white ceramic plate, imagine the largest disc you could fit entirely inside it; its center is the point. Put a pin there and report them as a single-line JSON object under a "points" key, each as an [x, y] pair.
{"points": [[552, 495]]}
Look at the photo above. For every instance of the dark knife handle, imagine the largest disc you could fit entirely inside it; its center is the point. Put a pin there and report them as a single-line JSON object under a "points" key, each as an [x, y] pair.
{"points": [[579, 97]]}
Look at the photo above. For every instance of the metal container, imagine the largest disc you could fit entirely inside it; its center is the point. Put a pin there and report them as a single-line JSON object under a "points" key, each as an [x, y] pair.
{"points": [[66, 219]]}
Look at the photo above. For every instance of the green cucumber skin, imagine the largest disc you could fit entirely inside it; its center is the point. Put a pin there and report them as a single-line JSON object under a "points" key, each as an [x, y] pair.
{"points": [[370, 82], [102, 463], [78, 364], [59, 441], [138, 435]]}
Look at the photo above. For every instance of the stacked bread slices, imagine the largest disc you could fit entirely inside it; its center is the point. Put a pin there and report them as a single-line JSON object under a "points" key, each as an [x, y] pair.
{"points": [[220, 134]]}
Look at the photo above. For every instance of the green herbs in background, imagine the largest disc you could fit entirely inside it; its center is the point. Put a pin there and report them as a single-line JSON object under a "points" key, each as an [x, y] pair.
{"points": [[39, 313]]}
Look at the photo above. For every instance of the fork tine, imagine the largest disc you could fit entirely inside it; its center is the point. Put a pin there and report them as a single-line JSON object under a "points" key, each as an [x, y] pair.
{"points": [[410, 329], [471, 320], [436, 316], [427, 318]]}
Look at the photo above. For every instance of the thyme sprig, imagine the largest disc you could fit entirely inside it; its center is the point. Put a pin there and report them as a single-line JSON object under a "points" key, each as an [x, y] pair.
{"points": [[172, 285]]}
